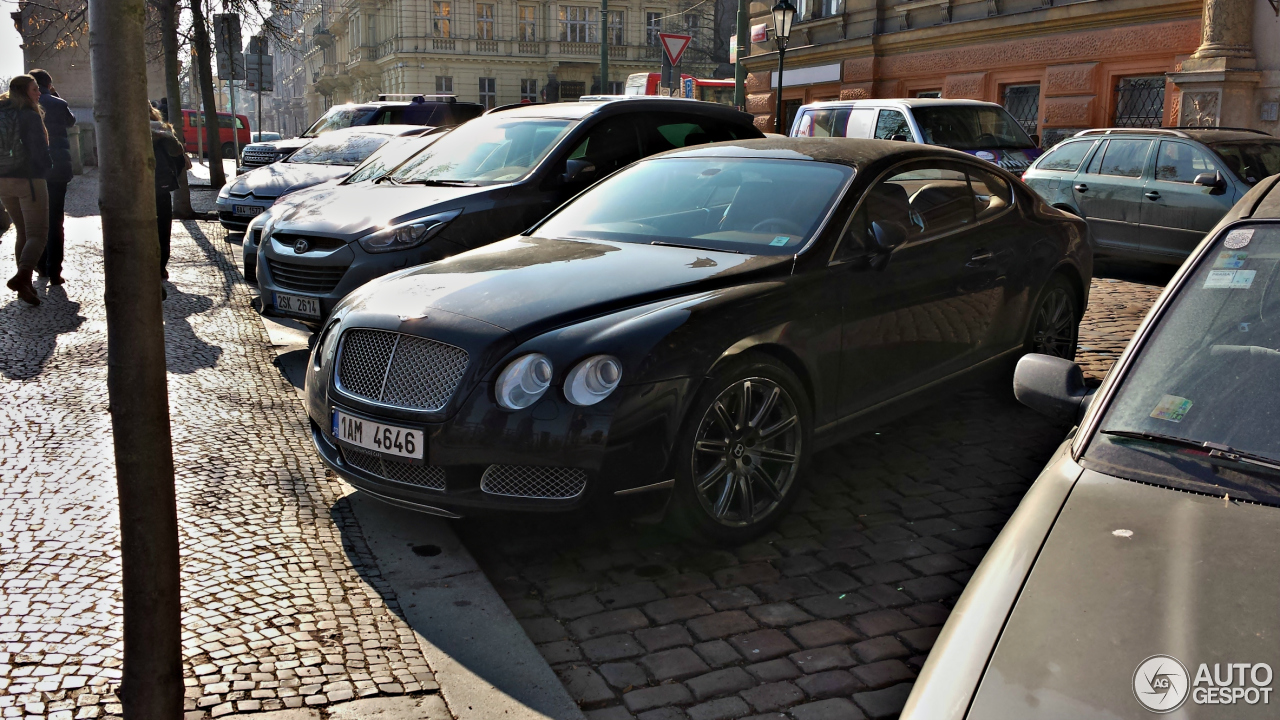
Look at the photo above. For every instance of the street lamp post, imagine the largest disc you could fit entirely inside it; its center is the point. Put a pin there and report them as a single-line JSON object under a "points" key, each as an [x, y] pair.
{"points": [[783, 13]]}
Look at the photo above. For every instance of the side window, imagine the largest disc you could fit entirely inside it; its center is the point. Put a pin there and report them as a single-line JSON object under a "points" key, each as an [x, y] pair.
{"points": [[890, 123], [667, 131], [861, 121], [926, 199], [390, 116], [823, 123], [611, 145], [1125, 158], [991, 194], [1066, 157], [1179, 162], [1095, 163]]}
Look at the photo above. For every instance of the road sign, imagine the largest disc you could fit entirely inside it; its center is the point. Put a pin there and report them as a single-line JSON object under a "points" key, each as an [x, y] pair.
{"points": [[674, 45], [259, 73], [228, 46]]}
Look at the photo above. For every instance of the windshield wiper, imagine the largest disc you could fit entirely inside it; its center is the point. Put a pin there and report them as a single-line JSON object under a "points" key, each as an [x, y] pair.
{"points": [[1216, 450], [693, 247], [439, 183]]}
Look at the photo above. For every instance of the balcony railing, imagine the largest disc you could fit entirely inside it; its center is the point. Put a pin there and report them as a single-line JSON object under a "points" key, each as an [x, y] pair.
{"points": [[621, 53], [531, 48], [487, 46]]}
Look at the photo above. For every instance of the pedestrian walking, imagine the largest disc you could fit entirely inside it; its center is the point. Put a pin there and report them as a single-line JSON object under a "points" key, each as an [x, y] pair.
{"points": [[57, 118], [171, 162], [24, 162]]}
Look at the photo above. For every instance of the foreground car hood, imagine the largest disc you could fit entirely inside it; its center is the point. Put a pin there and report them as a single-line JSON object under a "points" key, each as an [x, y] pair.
{"points": [[278, 178], [351, 211], [529, 281], [1130, 571]]}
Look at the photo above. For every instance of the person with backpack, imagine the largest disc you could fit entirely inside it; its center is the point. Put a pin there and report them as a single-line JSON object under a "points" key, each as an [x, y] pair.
{"points": [[57, 118], [171, 161], [24, 163]]}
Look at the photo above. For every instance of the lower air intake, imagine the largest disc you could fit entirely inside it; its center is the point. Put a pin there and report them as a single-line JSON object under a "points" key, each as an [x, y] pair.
{"points": [[525, 481]]}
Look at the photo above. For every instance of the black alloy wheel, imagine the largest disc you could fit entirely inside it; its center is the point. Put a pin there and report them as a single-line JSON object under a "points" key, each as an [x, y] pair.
{"points": [[229, 151], [1055, 325], [744, 449]]}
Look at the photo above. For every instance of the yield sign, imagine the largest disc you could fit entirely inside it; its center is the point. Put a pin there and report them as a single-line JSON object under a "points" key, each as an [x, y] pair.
{"points": [[674, 45]]}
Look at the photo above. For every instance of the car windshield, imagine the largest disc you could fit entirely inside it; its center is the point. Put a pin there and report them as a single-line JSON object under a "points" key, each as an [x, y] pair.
{"points": [[488, 150], [1200, 407], [338, 118], [1250, 161], [970, 127], [344, 149], [390, 156], [756, 206]]}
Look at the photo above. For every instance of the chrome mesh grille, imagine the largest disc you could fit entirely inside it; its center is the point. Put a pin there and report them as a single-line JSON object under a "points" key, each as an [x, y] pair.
{"points": [[401, 370], [255, 157], [533, 482], [427, 476]]}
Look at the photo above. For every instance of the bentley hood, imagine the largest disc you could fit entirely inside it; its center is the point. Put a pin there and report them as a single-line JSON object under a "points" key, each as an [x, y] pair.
{"points": [[1143, 596], [352, 211], [276, 179], [530, 281]]}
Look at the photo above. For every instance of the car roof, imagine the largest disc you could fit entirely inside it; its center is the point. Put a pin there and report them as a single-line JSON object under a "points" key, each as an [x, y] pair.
{"points": [[379, 130], [1204, 135], [634, 103], [855, 152], [905, 102]]}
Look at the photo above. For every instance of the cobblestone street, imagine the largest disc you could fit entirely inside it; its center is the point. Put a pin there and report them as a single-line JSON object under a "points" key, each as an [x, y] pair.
{"points": [[828, 618], [283, 605]]}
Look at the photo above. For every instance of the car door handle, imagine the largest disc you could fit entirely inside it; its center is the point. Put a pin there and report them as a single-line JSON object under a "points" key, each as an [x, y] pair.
{"points": [[1081, 187], [1152, 195], [979, 258]]}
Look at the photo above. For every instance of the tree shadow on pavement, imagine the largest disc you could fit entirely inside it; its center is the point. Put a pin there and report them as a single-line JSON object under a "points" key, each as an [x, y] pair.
{"points": [[185, 351], [29, 335]]}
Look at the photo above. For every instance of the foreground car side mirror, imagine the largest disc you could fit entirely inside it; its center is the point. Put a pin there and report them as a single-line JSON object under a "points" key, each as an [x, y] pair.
{"points": [[886, 236], [578, 171], [1052, 386], [1211, 180], [1035, 139]]}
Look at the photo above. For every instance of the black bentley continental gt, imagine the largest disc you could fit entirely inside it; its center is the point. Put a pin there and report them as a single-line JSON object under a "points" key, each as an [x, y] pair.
{"points": [[698, 323]]}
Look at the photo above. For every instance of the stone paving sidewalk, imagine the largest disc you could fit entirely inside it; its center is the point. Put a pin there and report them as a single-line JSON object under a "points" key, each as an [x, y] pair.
{"points": [[283, 603], [831, 616]]}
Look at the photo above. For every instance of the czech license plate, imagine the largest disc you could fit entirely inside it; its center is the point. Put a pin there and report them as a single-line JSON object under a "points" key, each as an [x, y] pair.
{"points": [[401, 442], [298, 305], [246, 210]]}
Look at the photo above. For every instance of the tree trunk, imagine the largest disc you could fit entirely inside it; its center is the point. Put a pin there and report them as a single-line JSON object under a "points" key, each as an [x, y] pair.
{"points": [[168, 11], [151, 688], [212, 134]]}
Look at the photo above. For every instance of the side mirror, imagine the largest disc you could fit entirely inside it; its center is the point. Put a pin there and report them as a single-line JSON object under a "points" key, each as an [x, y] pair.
{"points": [[1211, 180], [1035, 139], [578, 171], [887, 235], [900, 138], [1051, 386]]}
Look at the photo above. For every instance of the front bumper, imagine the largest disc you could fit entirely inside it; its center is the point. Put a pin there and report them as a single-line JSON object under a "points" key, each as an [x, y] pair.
{"points": [[233, 221]]}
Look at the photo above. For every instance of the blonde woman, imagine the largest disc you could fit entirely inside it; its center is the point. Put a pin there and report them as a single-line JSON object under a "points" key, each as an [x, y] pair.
{"points": [[24, 162]]}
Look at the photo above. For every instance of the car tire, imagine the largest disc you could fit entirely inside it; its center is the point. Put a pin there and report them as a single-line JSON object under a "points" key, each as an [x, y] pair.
{"points": [[250, 268], [739, 465], [229, 151], [1054, 325]]}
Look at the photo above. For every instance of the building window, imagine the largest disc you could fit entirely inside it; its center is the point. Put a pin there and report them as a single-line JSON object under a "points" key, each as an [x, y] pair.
{"points": [[441, 15], [529, 91], [484, 21], [488, 92], [1140, 102], [616, 36], [578, 23], [572, 90], [652, 26], [929, 94], [691, 23], [1023, 103], [617, 87], [444, 85], [528, 23]]}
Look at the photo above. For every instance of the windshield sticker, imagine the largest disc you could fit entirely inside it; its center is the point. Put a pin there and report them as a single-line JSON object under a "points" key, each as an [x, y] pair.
{"points": [[1237, 239], [1244, 327], [1233, 279], [780, 240], [1230, 259], [1171, 408]]}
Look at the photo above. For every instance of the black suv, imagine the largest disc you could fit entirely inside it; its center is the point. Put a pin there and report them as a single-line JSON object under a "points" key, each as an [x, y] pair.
{"points": [[489, 179], [390, 109], [1152, 194]]}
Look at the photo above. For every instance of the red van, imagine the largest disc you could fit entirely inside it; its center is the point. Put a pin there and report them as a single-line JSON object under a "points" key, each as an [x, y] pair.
{"points": [[193, 125]]}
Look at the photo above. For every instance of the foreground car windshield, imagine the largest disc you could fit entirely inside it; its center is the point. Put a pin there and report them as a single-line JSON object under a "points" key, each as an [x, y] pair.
{"points": [[489, 150], [1209, 374], [343, 149], [391, 155], [1250, 161], [756, 206], [339, 118], [971, 128]]}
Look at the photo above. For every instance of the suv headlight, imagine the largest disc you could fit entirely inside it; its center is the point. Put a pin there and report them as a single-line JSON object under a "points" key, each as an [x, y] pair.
{"points": [[592, 380], [523, 382], [408, 235]]}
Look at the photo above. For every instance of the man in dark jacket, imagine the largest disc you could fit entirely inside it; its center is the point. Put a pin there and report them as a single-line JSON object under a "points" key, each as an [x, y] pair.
{"points": [[57, 118]]}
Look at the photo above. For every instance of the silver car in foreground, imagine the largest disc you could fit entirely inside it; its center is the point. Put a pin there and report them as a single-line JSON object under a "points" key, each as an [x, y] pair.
{"points": [[1139, 574]]}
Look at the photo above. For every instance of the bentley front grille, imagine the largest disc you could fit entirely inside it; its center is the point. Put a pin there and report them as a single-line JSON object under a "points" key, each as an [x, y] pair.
{"points": [[400, 370], [525, 481]]}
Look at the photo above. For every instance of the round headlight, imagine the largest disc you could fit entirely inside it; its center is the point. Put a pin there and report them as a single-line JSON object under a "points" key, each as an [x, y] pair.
{"points": [[591, 380], [523, 381]]}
